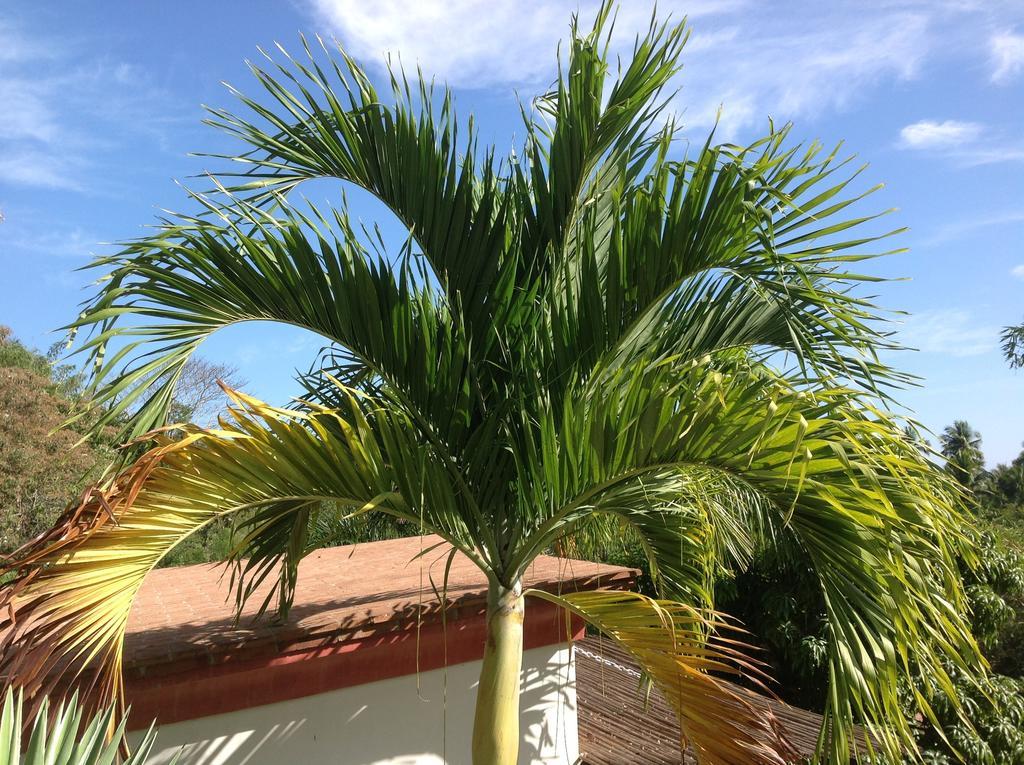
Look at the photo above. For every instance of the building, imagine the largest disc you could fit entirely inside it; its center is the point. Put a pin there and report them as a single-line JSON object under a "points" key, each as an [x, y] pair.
{"points": [[367, 670]]}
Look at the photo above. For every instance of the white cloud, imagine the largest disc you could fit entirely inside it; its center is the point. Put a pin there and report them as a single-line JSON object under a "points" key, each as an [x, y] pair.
{"points": [[799, 70], [953, 332], [1007, 52], [928, 134], [15, 47], [742, 56], [744, 61], [1018, 271], [967, 144], [480, 43], [468, 43], [26, 166], [29, 236], [990, 153], [958, 229], [63, 105], [26, 113]]}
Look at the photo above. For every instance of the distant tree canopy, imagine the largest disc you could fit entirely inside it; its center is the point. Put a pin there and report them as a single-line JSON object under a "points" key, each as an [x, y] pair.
{"points": [[960, 444], [1004, 484], [41, 469], [14, 355], [199, 397], [1013, 345]]}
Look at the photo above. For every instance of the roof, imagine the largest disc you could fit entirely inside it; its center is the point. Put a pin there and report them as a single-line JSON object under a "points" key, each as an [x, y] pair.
{"points": [[345, 593], [619, 726]]}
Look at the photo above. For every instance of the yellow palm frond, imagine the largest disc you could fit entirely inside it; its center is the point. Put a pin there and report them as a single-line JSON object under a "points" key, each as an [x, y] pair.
{"points": [[65, 612], [685, 652]]}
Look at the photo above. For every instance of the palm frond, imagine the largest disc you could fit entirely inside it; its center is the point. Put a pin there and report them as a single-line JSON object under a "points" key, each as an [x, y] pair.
{"points": [[686, 653], [1013, 345], [68, 605], [589, 134], [198, 275], [331, 122], [879, 524], [735, 248]]}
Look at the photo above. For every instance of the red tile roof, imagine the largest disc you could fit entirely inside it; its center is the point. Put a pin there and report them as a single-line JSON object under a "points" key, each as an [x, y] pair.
{"points": [[344, 593]]}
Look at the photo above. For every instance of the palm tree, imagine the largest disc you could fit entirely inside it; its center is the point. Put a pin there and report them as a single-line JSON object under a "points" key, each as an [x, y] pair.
{"points": [[1013, 345], [600, 325], [961, 446]]}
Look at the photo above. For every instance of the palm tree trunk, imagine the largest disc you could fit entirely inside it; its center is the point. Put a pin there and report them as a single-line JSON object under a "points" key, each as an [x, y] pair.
{"points": [[496, 724]]}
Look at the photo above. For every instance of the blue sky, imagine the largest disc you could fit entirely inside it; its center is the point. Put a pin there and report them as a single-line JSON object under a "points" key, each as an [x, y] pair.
{"points": [[101, 102]]}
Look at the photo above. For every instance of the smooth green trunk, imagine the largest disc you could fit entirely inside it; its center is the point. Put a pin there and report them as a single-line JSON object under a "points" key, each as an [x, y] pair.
{"points": [[496, 724]]}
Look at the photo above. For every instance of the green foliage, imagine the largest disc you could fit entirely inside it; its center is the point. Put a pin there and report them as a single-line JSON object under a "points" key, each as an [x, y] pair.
{"points": [[1001, 492], [995, 706], [63, 379], [65, 736], [41, 469], [15, 355], [995, 588], [995, 733], [334, 525], [776, 598], [610, 541], [1013, 345], [213, 542]]}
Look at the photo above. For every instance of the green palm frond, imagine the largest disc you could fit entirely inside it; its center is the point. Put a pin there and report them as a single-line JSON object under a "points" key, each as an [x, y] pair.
{"points": [[728, 249], [603, 325], [700, 457], [1013, 345], [331, 122], [201, 275]]}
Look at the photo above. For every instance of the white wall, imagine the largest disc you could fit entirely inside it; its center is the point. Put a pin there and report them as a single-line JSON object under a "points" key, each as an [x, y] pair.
{"points": [[386, 722]]}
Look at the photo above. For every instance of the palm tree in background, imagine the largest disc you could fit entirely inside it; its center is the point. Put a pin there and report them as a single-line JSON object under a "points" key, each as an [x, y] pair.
{"points": [[1013, 345], [607, 324], [960, 444]]}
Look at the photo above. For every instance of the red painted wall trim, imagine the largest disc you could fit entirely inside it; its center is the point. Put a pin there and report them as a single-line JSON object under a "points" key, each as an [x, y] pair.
{"points": [[228, 686]]}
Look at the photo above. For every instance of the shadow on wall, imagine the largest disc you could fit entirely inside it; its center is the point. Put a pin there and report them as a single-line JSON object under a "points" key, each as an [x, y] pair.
{"points": [[424, 720]]}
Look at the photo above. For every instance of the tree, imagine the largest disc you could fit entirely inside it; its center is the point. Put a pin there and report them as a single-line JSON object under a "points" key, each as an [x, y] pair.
{"points": [[961, 446], [1005, 485], [43, 468], [589, 328], [14, 355], [40, 470], [198, 395], [1013, 345]]}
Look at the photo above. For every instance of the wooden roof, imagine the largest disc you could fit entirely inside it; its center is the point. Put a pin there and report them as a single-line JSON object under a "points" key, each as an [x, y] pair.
{"points": [[618, 726], [345, 593]]}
